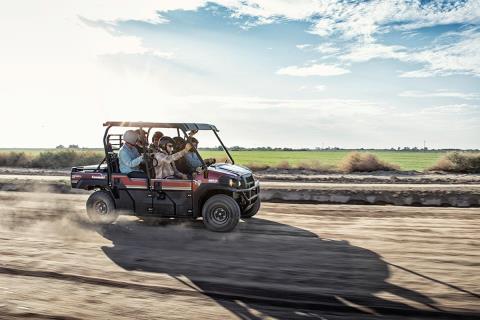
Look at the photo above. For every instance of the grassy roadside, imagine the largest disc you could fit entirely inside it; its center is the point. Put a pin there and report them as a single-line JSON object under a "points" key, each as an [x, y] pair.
{"points": [[320, 160]]}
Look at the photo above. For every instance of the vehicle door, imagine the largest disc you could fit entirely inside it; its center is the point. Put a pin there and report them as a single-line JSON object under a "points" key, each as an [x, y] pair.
{"points": [[133, 194], [172, 198]]}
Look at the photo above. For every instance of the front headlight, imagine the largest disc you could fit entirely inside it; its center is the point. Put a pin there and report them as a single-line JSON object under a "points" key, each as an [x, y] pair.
{"points": [[234, 183]]}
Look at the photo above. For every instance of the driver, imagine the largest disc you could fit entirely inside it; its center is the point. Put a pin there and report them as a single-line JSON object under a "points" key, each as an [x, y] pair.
{"points": [[193, 163], [165, 167], [128, 156]]}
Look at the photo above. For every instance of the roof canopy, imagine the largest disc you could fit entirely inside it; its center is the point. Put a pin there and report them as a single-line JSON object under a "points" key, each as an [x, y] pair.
{"points": [[183, 126]]}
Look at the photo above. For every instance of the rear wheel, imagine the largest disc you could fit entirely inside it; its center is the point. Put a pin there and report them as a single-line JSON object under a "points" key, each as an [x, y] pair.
{"points": [[252, 211], [101, 208], [221, 213]]}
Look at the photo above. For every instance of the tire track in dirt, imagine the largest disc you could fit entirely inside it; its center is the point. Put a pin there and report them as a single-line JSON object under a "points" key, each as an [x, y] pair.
{"points": [[266, 297]]}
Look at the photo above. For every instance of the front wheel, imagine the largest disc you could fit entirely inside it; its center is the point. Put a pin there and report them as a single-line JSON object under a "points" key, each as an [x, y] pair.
{"points": [[252, 211], [221, 213], [101, 208]]}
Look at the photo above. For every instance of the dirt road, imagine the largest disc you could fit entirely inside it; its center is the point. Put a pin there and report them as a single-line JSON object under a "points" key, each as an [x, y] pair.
{"points": [[292, 262]]}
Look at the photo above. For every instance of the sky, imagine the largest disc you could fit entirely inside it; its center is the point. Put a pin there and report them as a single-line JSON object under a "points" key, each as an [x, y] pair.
{"points": [[303, 73]]}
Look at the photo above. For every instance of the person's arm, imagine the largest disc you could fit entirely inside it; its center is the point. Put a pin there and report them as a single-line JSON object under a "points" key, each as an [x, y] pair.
{"points": [[125, 158], [161, 157]]}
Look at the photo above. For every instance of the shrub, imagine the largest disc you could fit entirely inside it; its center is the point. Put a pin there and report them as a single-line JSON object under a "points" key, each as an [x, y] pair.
{"points": [[220, 159], [315, 165], [283, 165], [254, 166], [365, 162], [14, 159], [459, 162], [65, 159]]}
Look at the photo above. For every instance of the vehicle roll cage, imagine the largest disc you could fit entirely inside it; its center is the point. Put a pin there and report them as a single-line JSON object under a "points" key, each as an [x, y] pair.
{"points": [[181, 127]]}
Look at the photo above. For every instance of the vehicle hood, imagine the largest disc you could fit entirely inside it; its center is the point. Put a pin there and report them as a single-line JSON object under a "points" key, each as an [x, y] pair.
{"points": [[230, 169]]}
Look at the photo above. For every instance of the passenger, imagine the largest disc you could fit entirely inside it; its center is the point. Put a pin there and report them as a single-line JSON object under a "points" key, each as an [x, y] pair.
{"points": [[194, 164], [142, 140], [128, 156], [178, 144], [165, 168], [154, 146]]}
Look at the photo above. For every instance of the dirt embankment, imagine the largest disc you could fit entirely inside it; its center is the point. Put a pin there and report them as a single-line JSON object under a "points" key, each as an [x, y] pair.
{"points": [[292, 262], [296, 175], [380, 189]]}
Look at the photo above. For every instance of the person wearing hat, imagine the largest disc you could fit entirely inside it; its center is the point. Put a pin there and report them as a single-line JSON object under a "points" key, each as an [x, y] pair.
{"points": [[142, 142], [155, 141], [128, 156], [165, 168]]}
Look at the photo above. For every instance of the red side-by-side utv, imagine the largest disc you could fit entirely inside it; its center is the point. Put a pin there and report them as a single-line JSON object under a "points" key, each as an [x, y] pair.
{"points": [[221, 193]]}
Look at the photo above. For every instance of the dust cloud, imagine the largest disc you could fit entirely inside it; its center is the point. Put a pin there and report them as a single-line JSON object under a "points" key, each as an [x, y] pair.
{"points": [[45, 213]]}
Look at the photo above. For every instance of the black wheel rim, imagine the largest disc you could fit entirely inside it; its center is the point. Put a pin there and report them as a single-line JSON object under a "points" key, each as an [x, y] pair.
{"points": [[101, 207], [219, 215]]}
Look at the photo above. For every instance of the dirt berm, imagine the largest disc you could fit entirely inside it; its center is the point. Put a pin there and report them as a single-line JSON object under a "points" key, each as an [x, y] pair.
{"points": [[411, 194]]}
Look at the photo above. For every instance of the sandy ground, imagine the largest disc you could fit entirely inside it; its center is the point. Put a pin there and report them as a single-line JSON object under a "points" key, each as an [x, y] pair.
{"points": [[292, 262]]}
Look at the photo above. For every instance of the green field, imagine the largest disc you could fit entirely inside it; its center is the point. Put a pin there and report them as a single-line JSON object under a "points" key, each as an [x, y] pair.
{"points": [[406, 160]]}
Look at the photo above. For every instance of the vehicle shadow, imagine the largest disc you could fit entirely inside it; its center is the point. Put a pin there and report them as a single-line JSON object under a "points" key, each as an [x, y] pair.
{"points": [[265, 268]]}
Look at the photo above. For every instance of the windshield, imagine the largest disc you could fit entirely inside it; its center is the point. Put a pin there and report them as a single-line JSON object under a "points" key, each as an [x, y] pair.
{"points": [[210, 147]]}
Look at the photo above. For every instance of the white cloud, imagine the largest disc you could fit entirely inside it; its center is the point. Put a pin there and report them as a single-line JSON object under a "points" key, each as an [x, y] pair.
{"points": [[303, 46], [364, 20], [323, 27], [320, 87], [361, 19], [439, 94], [458, 57], [313, 70], [265, 9], [328, 48], [422, 73], [463, 109], [366, 52]]}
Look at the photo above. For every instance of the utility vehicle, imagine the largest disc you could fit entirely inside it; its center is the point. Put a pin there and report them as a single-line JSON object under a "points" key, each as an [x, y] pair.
{"points": [[221, 193]]}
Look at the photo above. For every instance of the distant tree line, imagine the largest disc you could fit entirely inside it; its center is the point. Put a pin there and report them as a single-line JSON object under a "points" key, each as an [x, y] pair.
{"points": [[403, 149], [71, 146], [238, 148]]}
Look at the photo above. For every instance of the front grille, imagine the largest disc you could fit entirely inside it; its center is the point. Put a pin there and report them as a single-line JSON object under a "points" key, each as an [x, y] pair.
{"points": [[248, 181]]}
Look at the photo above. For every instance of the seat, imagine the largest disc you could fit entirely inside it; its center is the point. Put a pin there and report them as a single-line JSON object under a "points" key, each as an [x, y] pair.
{"points": [[181, 165], [113, 162]]}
